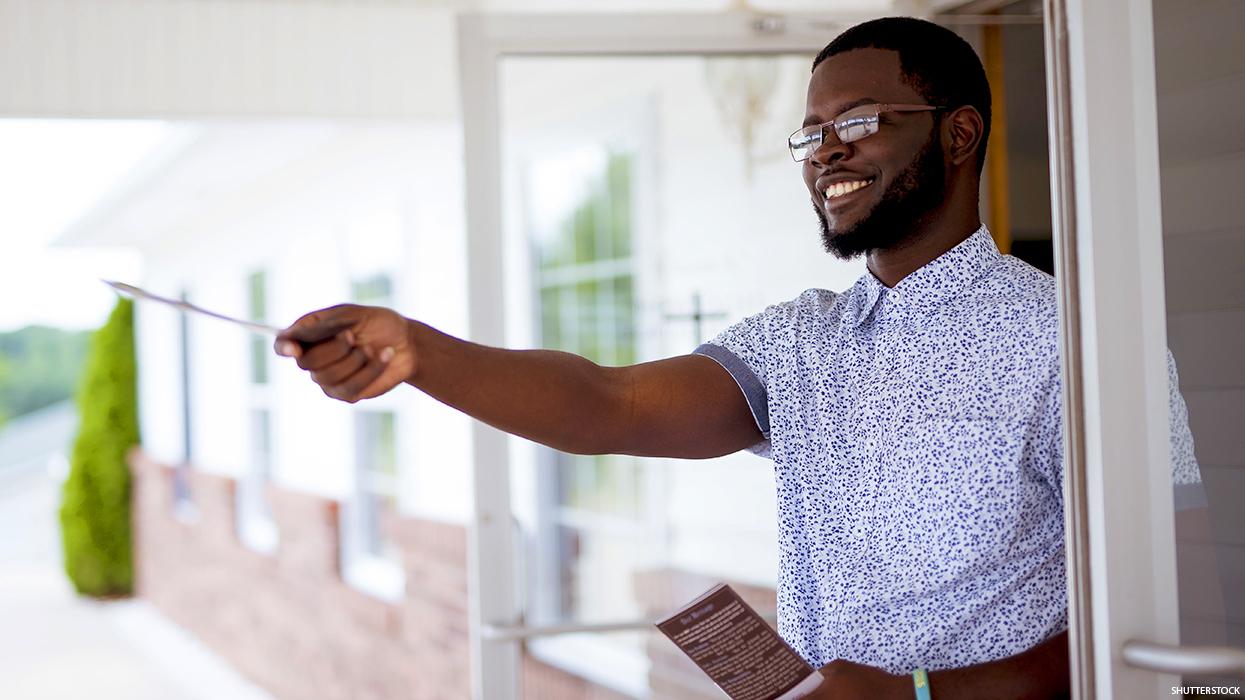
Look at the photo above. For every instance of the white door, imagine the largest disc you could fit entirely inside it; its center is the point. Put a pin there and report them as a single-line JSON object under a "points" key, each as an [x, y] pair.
{"points": [[1151, 254]]}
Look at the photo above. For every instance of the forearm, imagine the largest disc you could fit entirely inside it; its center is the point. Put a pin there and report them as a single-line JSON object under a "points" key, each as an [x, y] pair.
{"points": [[684, 406], [1041, 673], [555, 398]]}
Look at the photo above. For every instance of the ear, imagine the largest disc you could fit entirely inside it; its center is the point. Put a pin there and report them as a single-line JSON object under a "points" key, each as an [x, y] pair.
{"points": [[962, 129]]}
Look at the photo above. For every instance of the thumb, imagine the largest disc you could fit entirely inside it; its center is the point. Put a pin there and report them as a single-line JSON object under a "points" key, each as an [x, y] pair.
{"points": [[320, 325]]}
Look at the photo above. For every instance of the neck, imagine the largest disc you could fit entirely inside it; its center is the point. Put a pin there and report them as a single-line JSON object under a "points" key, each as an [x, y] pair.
{"points": [[939, 231]]}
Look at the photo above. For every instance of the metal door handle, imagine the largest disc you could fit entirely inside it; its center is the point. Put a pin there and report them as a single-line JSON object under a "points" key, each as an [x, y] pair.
{"points": [[1168, 658]]}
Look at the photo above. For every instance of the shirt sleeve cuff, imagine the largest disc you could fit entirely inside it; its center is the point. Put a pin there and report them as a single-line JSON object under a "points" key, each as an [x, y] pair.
{"points": [[749, 384], [1189, 496]]}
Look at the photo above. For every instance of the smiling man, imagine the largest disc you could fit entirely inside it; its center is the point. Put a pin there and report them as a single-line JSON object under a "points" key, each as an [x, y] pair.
{"points": [[913, 419]]}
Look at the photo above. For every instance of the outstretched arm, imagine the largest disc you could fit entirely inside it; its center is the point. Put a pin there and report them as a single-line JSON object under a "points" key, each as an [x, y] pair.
{"points": [[684, 406]]}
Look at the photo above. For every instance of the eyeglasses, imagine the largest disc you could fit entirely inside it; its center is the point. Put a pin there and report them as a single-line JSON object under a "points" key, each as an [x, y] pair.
{"points": [[852, 125]]}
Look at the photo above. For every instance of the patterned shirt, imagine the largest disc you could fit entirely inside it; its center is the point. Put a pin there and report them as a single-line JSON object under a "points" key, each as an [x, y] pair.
{"points": [[917, 446]]}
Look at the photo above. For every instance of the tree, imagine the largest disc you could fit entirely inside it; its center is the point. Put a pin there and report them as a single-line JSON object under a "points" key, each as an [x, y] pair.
{"points": [[95, 505], [39, 366], [5, 372]]}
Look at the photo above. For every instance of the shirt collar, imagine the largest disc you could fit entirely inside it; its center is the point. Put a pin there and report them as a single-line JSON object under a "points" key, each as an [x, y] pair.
{"points": [[939, 281]]}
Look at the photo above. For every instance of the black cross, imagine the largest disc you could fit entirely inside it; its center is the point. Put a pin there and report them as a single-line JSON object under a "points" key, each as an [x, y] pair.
{"points": [[696, 316]]}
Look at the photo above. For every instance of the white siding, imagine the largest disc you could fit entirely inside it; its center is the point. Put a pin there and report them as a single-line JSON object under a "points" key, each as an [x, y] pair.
{"points": [[330, 209], [196, 58]]}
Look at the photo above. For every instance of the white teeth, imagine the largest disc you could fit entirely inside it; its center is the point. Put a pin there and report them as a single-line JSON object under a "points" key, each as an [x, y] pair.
{"points": [[839, 189]]}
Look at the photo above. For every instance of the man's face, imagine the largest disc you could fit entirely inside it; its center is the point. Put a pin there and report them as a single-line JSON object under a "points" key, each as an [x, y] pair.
{"points": [[902, 163]]}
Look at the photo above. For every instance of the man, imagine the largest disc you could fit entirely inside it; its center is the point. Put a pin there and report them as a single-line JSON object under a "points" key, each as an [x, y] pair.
{"points": [[913, 419]]}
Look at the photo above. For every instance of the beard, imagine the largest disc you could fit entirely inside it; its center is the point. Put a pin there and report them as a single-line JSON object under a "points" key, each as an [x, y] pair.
{"points": [[917, 191]]}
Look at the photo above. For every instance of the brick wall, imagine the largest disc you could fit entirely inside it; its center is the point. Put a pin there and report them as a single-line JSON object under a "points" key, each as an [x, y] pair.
{"points": [[288, 622]]}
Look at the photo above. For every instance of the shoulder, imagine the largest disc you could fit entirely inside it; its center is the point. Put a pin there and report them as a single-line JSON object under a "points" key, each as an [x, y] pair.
{"points": [[1024, 279], [1013, 307], [810, 305], [1023, 289], [780, 327]]}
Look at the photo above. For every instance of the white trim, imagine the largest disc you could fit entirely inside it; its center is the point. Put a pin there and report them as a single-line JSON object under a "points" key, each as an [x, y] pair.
{"points": [[491, 559], [257, 531], [376, 576]]}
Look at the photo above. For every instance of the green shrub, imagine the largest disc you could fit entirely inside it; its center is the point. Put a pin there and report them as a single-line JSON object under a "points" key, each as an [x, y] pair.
{"points": [[95, 505]]}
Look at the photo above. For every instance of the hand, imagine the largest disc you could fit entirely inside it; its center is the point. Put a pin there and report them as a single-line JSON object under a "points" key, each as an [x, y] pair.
{"points": [[847, 680], [353, 352]]}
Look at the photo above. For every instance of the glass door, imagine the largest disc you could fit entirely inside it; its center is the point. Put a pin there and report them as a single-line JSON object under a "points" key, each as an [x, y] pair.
{"points": [[638, 201], [1151, 254]]}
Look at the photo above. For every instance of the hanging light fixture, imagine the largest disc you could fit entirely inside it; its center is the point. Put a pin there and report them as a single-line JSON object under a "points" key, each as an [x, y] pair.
{"points": [[743, 86]]}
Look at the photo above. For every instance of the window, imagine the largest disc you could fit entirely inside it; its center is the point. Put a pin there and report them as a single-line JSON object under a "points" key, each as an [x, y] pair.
{"points": [[257, 306], [256, 527], [598, 531], [371, 561], [376, 290]]}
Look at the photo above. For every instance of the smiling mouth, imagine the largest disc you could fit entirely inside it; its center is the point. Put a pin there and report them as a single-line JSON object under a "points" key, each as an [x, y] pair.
{"points": [[842, 189]]}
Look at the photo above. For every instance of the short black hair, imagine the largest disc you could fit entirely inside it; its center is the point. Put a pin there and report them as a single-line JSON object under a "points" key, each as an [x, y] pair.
{"points": [[935, 61]]}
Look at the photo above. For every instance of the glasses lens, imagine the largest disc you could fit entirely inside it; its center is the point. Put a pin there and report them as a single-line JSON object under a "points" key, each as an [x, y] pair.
{"points": [[803, 142], [852, 127]]}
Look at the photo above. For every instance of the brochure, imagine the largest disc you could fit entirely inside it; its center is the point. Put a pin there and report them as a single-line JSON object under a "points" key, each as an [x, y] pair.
{"points": [[187, 307], [737, 649]]}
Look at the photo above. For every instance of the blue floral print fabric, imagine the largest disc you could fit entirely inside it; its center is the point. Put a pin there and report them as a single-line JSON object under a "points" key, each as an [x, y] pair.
{"points": [[917, 446]]}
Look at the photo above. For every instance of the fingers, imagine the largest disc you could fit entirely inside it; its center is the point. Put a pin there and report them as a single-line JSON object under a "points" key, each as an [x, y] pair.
{"points": [[319, 356], [347, 351], [352, 388], [346, 371], [341, 370], [319, 325]]}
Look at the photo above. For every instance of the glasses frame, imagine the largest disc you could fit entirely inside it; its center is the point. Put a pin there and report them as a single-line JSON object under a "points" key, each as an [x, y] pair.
{"points": [[863, 115]]}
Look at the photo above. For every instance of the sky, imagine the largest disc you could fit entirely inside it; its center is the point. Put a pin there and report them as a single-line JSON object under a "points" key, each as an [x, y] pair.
{"points": [[52, 172]]}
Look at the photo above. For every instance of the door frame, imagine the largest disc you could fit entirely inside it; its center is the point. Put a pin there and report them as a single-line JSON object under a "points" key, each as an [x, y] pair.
{"points": [[1109, 259], [495, 609]]}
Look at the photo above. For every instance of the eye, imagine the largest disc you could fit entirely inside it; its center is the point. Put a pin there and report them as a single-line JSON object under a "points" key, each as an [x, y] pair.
{"points": [[805, 139]]}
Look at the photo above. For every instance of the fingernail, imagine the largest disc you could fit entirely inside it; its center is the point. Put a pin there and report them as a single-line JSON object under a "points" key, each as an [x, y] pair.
{"points": [[287, 349], [386, 354], [348, 336]]}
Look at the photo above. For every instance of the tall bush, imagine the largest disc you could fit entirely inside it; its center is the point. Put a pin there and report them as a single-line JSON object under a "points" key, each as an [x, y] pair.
{"points": [[95, 505]]}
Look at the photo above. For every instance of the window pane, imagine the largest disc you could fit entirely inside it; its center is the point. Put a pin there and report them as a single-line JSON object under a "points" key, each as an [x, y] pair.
{"points": [[257, 297], [261, 350], [550, 318], [257, 309], [607, 484], [620, 206], [261, 443], [376, 290], [376, 479], [622, 316]]}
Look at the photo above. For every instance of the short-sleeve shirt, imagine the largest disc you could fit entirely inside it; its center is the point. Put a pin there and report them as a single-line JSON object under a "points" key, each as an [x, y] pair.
{"points": [[917, 447]]}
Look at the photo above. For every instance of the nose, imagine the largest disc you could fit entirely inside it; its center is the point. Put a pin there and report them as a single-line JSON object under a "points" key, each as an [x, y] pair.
{"points": [[830, 150]]}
